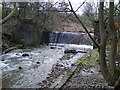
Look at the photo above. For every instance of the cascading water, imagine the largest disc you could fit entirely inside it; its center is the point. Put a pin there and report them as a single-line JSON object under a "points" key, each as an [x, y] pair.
{"points": [[69, 38]]}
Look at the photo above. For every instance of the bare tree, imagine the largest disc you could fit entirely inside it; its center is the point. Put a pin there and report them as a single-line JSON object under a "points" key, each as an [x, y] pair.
{"points": [[102, 51], [110, 72], [113, 38]]}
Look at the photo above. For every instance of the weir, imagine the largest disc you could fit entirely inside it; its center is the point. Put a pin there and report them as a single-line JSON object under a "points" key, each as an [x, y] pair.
{"points": [[69, 38]]}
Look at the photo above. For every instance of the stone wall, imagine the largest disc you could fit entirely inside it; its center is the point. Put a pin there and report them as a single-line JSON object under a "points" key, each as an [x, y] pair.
{"points": [[25, 34]]}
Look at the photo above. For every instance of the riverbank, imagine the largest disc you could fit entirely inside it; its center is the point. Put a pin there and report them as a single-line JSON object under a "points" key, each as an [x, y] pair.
{"points": [[88, 75]]}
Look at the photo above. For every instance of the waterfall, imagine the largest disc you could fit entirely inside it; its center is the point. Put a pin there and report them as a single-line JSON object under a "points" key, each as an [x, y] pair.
{"points": [[69, 38]]}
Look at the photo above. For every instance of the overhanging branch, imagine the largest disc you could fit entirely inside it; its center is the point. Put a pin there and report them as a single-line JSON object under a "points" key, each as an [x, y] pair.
{"points": [[75, 10], [9, 15], [83, 25]]}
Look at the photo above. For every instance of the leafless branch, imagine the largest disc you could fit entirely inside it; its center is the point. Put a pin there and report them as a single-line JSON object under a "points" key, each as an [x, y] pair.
{"points": [[75, 10], [52, 5], [80, 6], [83, 25]]}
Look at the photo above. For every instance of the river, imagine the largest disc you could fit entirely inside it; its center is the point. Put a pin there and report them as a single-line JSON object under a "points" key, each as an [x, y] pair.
{"points": [[38, 67], [28, 71]]}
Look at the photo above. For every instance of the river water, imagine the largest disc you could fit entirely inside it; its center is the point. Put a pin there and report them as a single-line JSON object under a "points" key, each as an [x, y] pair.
{"points": [[28, 71], [30, 68]]}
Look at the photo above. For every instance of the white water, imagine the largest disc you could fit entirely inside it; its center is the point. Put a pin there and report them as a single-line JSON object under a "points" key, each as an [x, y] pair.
{"points": [[32, 73]]}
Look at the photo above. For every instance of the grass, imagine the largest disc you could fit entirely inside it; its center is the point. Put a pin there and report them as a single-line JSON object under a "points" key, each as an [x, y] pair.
{"points": [[90, 58]]}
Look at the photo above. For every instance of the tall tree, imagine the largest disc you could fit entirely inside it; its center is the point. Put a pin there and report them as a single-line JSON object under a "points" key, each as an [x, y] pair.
{"points": [[113, 38], [102, 51], [110, 72]]}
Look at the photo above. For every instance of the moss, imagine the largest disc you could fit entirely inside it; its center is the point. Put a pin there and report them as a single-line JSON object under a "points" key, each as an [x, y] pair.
{"points": [[90, 58], [93, 60], [94, 53], [69, 72], [81, 61]]}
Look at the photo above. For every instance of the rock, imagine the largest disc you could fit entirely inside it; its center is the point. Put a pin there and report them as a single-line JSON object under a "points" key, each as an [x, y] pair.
{"points": [[2, 60], [70, 51], [59, 65], [39, 51], [24, 55], [44, 81], [52, 47], [19, 67], [17, 54], [38, 62]]}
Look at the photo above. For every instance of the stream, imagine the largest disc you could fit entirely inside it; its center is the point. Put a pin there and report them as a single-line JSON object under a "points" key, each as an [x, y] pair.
{"points": [[30, 68]]}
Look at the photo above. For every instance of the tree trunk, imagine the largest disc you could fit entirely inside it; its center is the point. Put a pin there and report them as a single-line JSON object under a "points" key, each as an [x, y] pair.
{"points": [[113, 49], [102, 51], [96, 32]]}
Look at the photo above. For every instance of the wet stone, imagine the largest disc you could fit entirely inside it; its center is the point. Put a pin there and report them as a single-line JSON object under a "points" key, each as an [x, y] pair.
{"points": [[38, 62], [19, 67], [59, 65], [2, 60], [44, 81], [39, 51], [70, 51], [24, 55], [53, 47]]}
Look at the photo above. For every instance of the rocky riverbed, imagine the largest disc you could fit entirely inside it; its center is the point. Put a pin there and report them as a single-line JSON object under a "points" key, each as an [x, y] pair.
{"points": [[50, 67], [37, 67]]}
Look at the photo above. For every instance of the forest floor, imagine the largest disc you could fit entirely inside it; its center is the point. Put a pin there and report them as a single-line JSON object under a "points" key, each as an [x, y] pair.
{"points": [[88, 77], [87, 74]]}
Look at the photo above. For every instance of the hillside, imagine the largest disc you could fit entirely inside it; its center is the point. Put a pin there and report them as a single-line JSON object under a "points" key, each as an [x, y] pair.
{"points": [[64, 23]]}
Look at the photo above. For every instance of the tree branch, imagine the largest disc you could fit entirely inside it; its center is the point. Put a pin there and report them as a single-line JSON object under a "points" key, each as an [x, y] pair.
{"points": [[75, 10], [83, 25], [9, 15]]}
